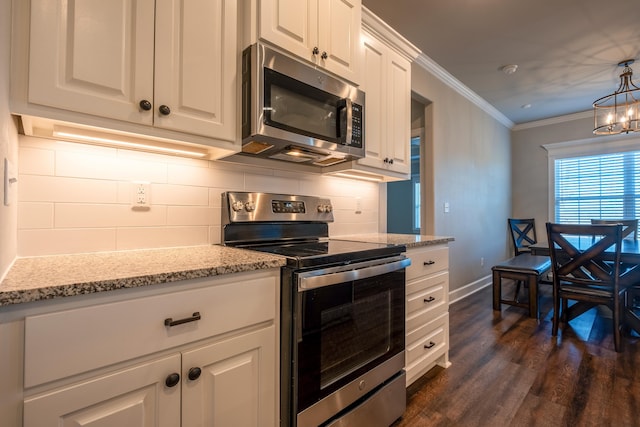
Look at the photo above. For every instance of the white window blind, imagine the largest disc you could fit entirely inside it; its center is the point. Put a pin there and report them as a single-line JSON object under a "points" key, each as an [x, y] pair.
{"points": [[604, 186]]}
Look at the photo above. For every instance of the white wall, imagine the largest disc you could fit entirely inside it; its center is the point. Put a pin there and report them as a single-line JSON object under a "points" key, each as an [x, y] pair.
{"points": [[471, 156], [77, 198], [8, 144]]}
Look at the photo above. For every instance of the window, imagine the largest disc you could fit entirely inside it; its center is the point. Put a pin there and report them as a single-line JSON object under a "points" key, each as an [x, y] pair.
{"points": [[603, 186]]}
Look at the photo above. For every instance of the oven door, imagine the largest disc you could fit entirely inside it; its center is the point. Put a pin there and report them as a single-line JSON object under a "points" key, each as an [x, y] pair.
{"points": [[350, 322]]}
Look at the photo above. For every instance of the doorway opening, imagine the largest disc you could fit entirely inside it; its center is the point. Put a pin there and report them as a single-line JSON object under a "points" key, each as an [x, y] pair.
{"points": [[408, 202]]}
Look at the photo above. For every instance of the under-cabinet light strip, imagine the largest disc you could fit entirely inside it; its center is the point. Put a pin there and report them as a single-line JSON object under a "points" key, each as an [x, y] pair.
{"points": [[80, 135]]}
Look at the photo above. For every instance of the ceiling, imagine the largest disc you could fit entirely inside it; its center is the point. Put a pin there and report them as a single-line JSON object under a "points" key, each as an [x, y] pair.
{"points": [[567, 51]]}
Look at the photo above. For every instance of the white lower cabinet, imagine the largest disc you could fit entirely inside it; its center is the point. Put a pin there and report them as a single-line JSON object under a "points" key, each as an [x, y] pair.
{"points": [[133, 397], [124, 364], [427, 317]]}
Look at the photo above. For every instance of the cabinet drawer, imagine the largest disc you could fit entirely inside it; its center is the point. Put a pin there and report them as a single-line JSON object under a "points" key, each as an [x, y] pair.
{"points": [[428, 300], [70, 342], [427, 260], [428, 342]]}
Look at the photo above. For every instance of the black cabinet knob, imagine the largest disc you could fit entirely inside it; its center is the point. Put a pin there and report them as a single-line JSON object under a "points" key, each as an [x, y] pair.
{"points": [[172, 380], [145, 105], [315, 50], [324, 55], [164, 110], [194, 373]]}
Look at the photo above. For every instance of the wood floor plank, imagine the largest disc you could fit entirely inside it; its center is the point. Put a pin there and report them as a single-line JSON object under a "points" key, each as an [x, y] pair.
{"points": [[507, 370]]}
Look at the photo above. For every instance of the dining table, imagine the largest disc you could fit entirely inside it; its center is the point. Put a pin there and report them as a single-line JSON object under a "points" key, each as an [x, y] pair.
{"points": [[629, 257]]}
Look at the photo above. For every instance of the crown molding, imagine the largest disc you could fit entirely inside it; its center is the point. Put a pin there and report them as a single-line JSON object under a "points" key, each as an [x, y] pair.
{"points": [[554, 120], [431, 66], [382, 31]]}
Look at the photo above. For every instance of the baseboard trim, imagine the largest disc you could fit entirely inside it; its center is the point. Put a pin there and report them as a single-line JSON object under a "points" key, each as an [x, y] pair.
{"points": [[471, 288]]}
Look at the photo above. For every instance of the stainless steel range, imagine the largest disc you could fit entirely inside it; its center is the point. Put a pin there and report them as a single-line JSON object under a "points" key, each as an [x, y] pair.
{"points": [[342, 311]]}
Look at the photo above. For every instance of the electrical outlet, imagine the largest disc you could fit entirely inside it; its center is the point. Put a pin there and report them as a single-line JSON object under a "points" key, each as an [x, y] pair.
{"points": [[358, 205], [481, 261], [141, 195]]}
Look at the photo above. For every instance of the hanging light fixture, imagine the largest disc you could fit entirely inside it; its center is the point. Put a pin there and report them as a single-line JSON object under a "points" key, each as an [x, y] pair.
{"points": [[619, 112]]}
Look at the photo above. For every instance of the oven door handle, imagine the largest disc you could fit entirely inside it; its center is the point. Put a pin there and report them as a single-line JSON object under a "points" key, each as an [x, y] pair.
{"points": [[334, 275]]}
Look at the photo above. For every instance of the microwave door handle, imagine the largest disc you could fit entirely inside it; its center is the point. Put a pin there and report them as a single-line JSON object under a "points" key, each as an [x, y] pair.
{"points": [[348, 107]]}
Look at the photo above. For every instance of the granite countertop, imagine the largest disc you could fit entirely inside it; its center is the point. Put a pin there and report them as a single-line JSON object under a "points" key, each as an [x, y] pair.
{"points": [[40, 278], [408, 240]]}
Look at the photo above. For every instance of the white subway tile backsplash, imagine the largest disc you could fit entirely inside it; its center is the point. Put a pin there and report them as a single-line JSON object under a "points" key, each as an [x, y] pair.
{"points": [[187, 195], [65, 241], [77, 198], [35, 215], [79, 215], [161, 237], [36, 161], [61, 189], [192, 215]]}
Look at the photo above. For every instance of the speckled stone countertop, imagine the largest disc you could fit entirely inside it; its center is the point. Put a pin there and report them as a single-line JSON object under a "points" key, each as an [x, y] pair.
{"points": [[39, 278], [408, 240]]}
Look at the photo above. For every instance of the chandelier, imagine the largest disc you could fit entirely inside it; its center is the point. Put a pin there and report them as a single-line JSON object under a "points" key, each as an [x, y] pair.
{"points": [[619, 112]]}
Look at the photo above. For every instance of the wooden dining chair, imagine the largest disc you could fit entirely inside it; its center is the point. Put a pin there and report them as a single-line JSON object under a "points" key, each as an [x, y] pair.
{"points": [[588, 272], [523, 234], [629, 226]]}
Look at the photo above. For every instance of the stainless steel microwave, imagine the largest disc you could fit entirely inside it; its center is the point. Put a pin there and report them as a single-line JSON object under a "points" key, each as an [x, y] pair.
{"points": [[295, 112]]}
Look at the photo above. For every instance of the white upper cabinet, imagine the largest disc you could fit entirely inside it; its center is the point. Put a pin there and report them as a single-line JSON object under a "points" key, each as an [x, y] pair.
{"points": [[324, 32], [169, 65], [386, 81], [387, 84]]}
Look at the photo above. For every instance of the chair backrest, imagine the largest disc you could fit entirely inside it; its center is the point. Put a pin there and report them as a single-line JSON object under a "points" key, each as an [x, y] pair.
{"points": [[523, 234], [629, 226], [584, 255]]}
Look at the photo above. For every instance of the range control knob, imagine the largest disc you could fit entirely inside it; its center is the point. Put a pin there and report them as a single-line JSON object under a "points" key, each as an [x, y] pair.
{"points": [[321, 208], [237, 206], [250, 206], [328, 208]]}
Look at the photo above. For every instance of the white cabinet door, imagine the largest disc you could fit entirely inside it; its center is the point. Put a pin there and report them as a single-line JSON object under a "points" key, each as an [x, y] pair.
{"points": [[236, 383], [374, 84], [387, 84], [291, 25], [325, 32], [93, 56], [134, 397], [171, 64], [398, 109], [339, 37], [196, 66]]}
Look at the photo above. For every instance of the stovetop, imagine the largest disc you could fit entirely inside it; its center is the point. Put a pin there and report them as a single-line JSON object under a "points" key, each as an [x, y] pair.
{"points": [[329, 252]]}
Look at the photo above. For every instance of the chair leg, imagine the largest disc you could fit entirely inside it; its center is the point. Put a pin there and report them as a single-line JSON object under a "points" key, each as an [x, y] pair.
{"points": [[617, 338], [556, 314]]}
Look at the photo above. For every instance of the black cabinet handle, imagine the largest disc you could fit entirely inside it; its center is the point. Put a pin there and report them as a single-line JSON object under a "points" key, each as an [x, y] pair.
{"points": [[172, 380], [145, 105], [170, 322], [429, 299], [430, 262], [164, 110], [194, 373], [431, 344]]}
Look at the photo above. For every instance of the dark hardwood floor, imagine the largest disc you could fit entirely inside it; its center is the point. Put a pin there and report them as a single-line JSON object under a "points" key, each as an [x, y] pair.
{"points": [[507, 370]]}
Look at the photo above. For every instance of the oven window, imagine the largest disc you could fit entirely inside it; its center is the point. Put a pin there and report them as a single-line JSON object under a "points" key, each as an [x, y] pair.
{"points": [[346, 330], [352, 335]]}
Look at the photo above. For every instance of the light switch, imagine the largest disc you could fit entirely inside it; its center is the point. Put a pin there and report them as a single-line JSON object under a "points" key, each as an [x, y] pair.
{"points": [[446, 207], [10, 179]]}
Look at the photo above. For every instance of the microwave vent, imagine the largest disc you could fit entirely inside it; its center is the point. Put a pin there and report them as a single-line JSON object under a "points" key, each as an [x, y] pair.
{"points": [[329, 161], [256, 147]]}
